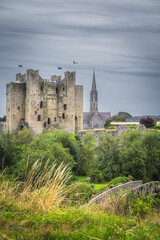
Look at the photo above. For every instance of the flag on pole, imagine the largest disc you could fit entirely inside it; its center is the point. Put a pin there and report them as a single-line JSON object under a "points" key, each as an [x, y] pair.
{"points": [[20, 65], [60, 68]]}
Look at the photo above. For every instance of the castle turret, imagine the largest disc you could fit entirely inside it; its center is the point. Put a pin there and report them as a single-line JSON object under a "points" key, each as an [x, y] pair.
{"points": [[94, 96]]}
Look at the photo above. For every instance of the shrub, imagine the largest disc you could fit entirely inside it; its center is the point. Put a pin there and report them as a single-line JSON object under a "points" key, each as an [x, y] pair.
{"points": [[148, 122], [157, 127], [9, 151], [96, 176], [131, 127], [116, 181], [111, 127], [79, 193]]}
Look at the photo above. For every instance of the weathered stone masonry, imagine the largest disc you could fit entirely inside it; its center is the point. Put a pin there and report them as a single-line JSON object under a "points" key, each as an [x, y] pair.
{"points": [[45, 103]]}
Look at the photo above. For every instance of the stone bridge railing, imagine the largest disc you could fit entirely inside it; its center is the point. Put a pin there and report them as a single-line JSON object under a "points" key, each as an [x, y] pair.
{"points": [[124, 187], [148, 188]]}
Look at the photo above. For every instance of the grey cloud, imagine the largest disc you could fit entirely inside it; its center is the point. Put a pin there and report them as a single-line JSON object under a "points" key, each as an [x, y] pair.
{"points": [[121, 38]]}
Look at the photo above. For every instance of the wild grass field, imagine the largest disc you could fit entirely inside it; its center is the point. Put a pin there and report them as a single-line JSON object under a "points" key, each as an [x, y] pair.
{"points": [[45, 207], [44, 188]]}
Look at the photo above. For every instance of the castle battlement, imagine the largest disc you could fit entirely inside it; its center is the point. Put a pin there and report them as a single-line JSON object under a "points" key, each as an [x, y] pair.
{"points": [[45, 104]]}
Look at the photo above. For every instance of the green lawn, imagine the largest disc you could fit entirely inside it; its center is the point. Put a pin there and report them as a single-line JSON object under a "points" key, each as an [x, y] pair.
{"points": [[97, 186]]}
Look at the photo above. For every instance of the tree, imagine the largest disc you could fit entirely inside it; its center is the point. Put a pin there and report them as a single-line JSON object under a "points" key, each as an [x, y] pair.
{"points": [[87, 154], [55, 147], [9, 151], [148, 122], [3, 119], [151, 142], [133, 155], [117, 118], [108, 157]]}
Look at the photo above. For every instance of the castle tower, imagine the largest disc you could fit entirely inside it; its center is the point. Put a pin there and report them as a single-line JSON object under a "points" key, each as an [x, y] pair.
{"points": [[94, 95]]}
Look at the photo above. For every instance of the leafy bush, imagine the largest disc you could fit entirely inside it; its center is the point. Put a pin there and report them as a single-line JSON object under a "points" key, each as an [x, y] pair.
{"points": [[116, 181], [79, 193], [117, 118], [131, 127], [151, 142], [111, 127], [9, 151], [148, 122], [50, 146], [157, 127], [108, 157], [96, 176], [133, 155]]}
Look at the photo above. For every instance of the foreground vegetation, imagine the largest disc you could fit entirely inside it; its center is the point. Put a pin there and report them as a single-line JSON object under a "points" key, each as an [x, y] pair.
{"points": [[44, 187], [133, 153], [45, 207]]}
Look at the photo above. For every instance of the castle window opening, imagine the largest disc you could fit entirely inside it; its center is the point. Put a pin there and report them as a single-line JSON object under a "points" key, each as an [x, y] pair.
{"points": [[75, 117], [63, 88], [65, 106], [44, 124], [49, 121], [55, 119], [39, 118], [41, 104], [57, 90], [63, 116], [35, 112], [18, 107], [41, 88]]}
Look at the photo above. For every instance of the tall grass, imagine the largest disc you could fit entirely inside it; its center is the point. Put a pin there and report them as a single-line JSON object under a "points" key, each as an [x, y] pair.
{"points": [[43, 189], [114, 204]]}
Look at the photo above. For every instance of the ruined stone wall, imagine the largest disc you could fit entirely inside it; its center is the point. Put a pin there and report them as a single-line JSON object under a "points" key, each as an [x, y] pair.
{"points": [[33, 112], [79, 108], [68, 122], [15, 108], [45, 103]]}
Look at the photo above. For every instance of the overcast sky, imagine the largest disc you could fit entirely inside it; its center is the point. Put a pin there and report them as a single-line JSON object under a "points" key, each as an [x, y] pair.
{"points": [[121, 38]]}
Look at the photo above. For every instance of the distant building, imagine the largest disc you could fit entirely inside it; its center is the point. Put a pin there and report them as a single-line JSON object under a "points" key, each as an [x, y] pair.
{"points": [[37, 103], [138, 118], [93, 118]]}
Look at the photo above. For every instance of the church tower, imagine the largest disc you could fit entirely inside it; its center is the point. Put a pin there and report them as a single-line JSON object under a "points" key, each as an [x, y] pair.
{"points": [[94, 95]]}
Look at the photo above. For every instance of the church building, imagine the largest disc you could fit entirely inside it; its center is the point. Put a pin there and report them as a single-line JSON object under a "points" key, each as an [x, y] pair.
{"points": [[93, 118]]}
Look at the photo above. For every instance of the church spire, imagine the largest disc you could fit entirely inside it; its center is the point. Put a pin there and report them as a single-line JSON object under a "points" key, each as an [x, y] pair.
{"points": [[94, 81], [94, 95]]}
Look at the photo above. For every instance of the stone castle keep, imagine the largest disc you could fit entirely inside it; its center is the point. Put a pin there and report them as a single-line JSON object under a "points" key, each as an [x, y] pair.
{"points": [[41, 104]]}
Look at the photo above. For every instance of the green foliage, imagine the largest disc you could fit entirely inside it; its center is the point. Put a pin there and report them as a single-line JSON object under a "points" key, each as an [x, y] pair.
{"points": [[52, 146], [3, 119], [80, 194], [111, 127], [116, 118], [9, 152], [116, 181], [148, 122], [132, 127], [151, 142], [108, 157], [96, 176], [17, 221], [133, 155], [157, 127], [87, 153]]}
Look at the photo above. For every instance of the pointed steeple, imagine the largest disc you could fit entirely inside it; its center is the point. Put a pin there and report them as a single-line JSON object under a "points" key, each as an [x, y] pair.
{"points": [[94, 80], [94, 95]]}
